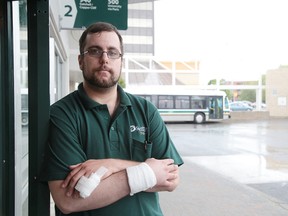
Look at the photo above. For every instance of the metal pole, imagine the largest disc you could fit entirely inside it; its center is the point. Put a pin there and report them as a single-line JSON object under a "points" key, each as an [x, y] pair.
{"points": [[38, 87]]}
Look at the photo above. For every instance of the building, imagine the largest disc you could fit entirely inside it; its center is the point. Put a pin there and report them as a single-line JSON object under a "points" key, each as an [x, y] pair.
{"points": [[277, 91], [139, 37]]}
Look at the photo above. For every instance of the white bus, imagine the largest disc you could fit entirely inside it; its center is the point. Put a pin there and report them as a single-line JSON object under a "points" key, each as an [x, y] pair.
{"points": [[188, 105]]}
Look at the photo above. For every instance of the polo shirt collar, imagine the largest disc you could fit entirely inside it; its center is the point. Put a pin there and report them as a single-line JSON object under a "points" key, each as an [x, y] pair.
{"points": [[90, 104]]}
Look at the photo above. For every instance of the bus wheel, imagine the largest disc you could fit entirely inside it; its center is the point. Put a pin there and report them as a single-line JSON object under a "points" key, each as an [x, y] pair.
{"points": [[199, 118]]}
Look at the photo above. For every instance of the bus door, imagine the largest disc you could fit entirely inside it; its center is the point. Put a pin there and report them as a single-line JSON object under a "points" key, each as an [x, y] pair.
{"points": [[215, 107]]}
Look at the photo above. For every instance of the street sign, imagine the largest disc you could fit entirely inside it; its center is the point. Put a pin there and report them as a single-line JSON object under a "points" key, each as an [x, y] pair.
{"points": [[78, 14]]}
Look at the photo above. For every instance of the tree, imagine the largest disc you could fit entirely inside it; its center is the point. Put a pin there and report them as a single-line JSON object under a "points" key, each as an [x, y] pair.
{"points": [[213, 82], [264, 90], [229, 94], [247, 95]]}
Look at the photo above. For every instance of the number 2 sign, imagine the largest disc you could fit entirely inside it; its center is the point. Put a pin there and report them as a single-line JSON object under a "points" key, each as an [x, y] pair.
{"points": [[76, 14]]}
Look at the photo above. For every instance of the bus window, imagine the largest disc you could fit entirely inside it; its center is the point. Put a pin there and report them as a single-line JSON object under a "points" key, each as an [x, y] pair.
{"points": [[165, 102], [198, 102], [147, 97], [151, 98], [182, 102], [154, 99]]}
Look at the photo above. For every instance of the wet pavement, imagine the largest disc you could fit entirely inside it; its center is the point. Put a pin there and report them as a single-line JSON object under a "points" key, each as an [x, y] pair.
{"points": [[231, 168]]}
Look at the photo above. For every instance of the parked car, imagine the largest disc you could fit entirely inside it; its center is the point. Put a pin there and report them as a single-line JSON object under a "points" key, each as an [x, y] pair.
{"points": [[249, 103], [240, 106], [263, 106]]}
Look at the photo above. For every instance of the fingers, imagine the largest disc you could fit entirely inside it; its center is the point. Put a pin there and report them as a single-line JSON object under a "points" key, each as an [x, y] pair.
{"points": [[165, 171], [82, 169], [75, 170], [169, 185], [173, 168], [70, 182], [74, 166], [172, 176], [73, 177]]}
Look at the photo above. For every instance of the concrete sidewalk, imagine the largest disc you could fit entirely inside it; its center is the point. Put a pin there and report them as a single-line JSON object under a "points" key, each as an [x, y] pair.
{"points": [[206, 193]]}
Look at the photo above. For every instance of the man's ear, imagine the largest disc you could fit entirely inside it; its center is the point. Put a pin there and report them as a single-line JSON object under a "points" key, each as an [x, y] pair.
{"points": [[80, 61]]}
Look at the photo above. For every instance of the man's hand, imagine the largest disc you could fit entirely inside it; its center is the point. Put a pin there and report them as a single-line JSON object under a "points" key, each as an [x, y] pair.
{"points": [[166, 172]]}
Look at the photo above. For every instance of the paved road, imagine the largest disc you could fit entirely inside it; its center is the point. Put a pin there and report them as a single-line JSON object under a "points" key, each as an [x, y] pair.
{"points": [[231, 168]]}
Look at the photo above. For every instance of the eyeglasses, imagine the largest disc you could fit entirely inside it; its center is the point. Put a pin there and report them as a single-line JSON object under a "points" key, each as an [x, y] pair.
{"points": [[97, 53]]}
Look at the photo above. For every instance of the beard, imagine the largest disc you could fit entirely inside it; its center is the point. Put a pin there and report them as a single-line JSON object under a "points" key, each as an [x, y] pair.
{"points": [[97, 82]]}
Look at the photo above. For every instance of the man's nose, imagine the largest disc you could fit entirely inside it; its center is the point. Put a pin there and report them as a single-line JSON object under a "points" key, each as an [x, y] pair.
{"points": [[104, 58]]}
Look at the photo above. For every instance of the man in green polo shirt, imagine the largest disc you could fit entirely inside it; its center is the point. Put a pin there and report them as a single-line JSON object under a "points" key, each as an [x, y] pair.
{"points": [[101, 127]]}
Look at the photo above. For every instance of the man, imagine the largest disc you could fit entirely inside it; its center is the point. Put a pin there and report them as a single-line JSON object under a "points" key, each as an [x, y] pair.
{"points": [[101, 126]]}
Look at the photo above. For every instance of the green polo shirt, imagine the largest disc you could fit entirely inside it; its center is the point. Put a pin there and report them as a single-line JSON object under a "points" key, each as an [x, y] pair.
{"points": [[82, 129]]}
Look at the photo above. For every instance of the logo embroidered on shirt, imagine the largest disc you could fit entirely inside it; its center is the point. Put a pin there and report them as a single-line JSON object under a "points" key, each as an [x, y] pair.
{"points": [[140, 130]]}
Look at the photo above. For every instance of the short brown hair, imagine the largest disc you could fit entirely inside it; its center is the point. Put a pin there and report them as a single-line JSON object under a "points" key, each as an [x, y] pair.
{"points": [[97, 28]]}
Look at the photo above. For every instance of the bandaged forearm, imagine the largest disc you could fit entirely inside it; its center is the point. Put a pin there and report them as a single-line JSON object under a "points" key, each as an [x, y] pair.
{"points": [[140, 178], [85, 185]]}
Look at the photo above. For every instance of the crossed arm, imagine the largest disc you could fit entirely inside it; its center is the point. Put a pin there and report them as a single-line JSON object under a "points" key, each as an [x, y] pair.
{"points": [[113, 186]]}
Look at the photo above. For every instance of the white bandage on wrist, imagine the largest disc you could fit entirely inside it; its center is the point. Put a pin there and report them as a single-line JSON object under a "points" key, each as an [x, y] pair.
{"points": [[86, 185], [140, 178]]}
